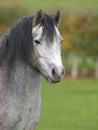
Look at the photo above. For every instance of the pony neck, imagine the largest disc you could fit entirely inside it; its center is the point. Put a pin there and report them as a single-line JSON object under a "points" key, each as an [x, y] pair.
{"points": [[22, 76]]}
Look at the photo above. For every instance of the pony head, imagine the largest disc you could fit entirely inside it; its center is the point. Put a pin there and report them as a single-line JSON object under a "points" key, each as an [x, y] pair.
{"points": [[47, 45]]}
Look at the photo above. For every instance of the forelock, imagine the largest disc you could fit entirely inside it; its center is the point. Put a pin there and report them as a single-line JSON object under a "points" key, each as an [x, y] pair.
{"points": [[48, 27]]}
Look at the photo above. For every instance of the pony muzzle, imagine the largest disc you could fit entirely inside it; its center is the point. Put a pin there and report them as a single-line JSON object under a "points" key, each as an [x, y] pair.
{"points": [[57, 73]]}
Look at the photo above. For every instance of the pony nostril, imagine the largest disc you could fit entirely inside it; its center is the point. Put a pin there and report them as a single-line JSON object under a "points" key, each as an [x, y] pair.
{"points": [[54, 72], [58, 73], [63, 71]]}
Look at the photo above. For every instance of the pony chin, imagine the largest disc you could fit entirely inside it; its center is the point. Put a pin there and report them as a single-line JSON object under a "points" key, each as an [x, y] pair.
{"points": [[50, 78], [53, 81]]}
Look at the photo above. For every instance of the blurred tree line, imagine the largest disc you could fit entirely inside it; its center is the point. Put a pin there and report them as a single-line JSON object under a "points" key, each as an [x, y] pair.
{"points": [[80, 33], [10, 15]]}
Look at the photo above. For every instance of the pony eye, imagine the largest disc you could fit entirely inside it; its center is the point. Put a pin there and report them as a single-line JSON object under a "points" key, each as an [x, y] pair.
{"points": [[37, 42]]}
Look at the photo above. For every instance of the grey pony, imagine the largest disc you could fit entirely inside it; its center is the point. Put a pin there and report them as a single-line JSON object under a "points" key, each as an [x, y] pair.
{"points": [[21, 70]]}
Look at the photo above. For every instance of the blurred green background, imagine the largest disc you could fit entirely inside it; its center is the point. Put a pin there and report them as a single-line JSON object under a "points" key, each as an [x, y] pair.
{"points": [[73, 103], [44, 4]]}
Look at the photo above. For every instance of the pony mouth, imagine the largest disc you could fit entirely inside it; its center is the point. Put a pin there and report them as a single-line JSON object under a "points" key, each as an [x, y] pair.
{"points": [[52, 80], [55, 81]]}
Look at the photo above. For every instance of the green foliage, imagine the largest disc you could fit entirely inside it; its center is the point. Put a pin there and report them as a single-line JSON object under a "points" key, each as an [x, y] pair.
{"points": [[81, 32], [53, 4], [10, 15], [70, 105]]}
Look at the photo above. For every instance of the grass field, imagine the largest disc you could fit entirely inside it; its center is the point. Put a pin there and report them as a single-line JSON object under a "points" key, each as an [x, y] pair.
{"points": [[70, 105], [53, 4]]}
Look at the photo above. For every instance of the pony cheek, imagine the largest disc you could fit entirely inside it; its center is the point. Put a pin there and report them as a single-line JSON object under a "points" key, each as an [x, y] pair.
{"points": [[43, 66], [42, 63]]}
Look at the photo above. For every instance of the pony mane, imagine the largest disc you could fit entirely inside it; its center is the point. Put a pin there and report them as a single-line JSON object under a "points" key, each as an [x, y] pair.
{"points": [[48, 26], [17, 44]]}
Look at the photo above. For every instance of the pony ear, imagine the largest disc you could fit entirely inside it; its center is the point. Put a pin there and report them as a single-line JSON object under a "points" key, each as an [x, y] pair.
{"points": [[37, 18], [57, 18]]}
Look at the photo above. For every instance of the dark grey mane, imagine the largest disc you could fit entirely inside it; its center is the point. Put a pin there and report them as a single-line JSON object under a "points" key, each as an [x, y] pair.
{"points": [[49, 28], [17, 44]]}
